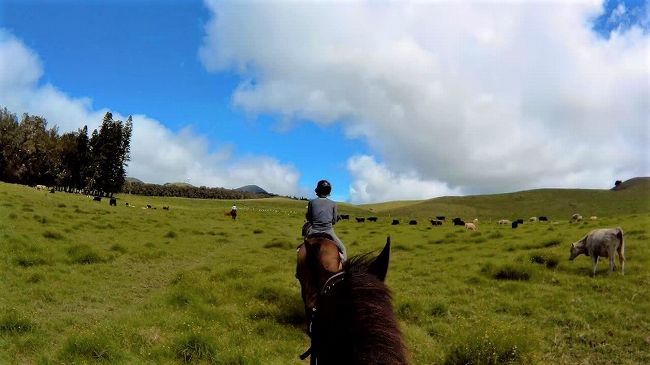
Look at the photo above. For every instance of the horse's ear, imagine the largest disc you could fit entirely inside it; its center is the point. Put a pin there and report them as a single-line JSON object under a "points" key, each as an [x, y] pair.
{"points": [[379, 266]]}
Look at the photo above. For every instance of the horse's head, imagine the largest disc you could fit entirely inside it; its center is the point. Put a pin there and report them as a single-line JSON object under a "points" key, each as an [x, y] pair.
{"points": [[354, 322], [318, 260]]}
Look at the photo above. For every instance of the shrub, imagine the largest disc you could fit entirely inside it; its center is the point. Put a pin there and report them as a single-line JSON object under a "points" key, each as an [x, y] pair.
{"points": [[171, 234], [257, 231], [13, 216], [439, 310], [195, 347], [61, 205], [84, 254], [490, 345], [549, 260], [410, 311], [27, 261], [508, 272], [52, 235], [92, 347], [13, 322]]}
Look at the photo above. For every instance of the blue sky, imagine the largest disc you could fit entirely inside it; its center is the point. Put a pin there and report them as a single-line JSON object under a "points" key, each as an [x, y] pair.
{"points": [[284, 94]]}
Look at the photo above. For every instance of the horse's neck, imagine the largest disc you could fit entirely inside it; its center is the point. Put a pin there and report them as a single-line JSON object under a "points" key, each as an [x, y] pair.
{"points": [[362, 327]]}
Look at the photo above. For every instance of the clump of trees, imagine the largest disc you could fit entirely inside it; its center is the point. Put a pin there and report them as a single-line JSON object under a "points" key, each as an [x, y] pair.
{"points": [[202, 192], [31, 154]]}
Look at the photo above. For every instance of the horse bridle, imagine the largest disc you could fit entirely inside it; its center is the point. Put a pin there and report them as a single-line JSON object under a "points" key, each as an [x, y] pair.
{"points": [[330, 284]]}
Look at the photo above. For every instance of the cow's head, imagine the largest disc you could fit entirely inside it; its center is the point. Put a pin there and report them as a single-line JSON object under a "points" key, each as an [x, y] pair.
{"points": [[577, 248]]}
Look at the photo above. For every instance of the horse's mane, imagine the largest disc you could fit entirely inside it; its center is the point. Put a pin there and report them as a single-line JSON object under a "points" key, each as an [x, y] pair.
{"points": [[374, 327]]}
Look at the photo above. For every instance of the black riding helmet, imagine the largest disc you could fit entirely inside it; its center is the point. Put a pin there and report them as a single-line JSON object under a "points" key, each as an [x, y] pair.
{"points": [[323, 188]]}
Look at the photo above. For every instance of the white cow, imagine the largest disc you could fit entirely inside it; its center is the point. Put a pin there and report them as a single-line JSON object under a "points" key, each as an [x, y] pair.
{"points": [[602, 242], [470, 226], [504, 221]]}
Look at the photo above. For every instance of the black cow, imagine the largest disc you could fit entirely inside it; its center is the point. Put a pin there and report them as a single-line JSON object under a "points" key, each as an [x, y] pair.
{"points": [[359, 219], [520, 221], [413, 222], [372, 219], [112, 202], [395, 222], [345, 216], [440, 217], [543, 219], [515, 224], [148, 206], [52, 191], [127, 204], [165, 207], [459, 222], [97, 198], [436, 222]]}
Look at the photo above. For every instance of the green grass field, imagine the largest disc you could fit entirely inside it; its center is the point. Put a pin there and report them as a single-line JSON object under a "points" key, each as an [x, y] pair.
{"points": [[83, 282]]}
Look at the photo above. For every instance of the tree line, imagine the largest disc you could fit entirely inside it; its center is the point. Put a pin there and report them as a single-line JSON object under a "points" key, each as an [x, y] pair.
{"points": [[33, 154], [202, 192]]}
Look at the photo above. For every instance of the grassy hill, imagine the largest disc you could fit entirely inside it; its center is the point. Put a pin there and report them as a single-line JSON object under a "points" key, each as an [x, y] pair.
{"points": [[557, 204], [83, 282]]}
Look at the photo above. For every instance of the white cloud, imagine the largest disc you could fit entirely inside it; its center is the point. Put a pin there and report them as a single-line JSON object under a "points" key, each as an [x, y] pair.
{"points": [[158, 154], [481, 96], [374, 182]]}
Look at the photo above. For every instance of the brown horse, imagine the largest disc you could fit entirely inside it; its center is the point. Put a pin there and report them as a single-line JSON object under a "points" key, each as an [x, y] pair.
{"points": [[349, 306]]}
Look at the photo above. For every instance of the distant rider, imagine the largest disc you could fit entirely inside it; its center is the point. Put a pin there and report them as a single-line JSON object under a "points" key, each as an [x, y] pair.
{"points": [[322, 213]]}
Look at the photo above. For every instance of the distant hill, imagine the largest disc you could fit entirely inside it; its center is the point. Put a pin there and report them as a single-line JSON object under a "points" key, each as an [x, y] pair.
{"points": [[631, 197], [634, 183], [252, 189], [133, 179]]}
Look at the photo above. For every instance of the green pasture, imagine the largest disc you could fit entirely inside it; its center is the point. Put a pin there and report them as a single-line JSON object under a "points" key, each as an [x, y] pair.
{"points": [[83, 282]]}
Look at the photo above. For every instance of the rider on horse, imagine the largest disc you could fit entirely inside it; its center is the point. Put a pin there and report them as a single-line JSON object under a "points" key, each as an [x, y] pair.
{"points": [[322, 214]]}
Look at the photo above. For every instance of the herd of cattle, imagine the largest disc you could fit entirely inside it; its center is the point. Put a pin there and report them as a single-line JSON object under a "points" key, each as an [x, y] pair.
{"points": [[473, 225], [602, 242]]}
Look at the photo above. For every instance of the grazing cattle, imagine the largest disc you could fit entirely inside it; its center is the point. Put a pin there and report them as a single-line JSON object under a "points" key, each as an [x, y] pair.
{"points": [[576, 218], [41, 187], [515, 224], [165, 207], [148, 206], [602, 242], [543, 219], [459, 223], [112, 202], [456, 219], [97, 198], [436, 222], [503, 221], [520, 221], [440, 217], [593, 218], [127, 204], [52, 190], [475, 221], [372, 219], [395, 222], [470, 226], [360, 219], [532, 219], [345, 216], [413, 222]]}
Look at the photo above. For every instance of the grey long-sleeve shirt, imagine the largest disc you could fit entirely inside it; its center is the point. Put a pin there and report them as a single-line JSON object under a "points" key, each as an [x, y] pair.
{"points": [[321, 212]]}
